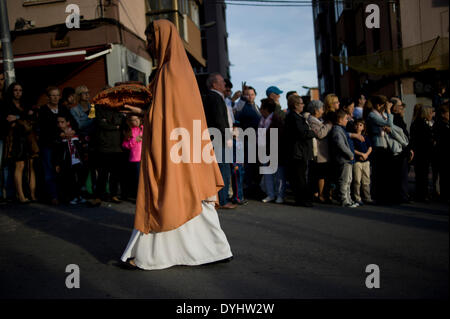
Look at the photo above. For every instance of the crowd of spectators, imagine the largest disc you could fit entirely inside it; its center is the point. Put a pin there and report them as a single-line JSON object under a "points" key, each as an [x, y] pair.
{"points": [[59, 153], [342, 151]]}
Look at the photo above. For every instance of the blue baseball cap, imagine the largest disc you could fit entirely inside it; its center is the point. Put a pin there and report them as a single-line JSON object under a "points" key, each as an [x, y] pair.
{"points": [[273, 89]]}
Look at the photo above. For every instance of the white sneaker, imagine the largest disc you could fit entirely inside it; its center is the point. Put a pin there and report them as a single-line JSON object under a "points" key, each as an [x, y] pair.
{"points": [[268, 199], [74, 201], [81, 200], [279, 200]]}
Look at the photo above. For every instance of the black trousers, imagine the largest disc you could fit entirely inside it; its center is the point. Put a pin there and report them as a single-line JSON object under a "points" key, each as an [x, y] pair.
{"points": [[297, 179], [131, 181], [109, 169], [421, 169], [385, 185], [71, 181], [443, 171], [400, 170]]}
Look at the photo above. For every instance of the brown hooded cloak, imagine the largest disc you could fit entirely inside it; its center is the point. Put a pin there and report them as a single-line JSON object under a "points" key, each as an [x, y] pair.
{"points": [[171, 194]]}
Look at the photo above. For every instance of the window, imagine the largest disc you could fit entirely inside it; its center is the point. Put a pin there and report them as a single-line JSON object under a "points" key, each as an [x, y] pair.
{"points": [[136, 75], [338, 8], [322, 84], [194, 14], [159, 4], [189, 8], [316, 9], [183, 6], [319, 46], [344, 57]]}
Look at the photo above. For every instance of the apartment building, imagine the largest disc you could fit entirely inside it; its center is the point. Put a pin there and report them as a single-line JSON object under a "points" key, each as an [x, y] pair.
{"points": [[107, 47], [406, 56]]}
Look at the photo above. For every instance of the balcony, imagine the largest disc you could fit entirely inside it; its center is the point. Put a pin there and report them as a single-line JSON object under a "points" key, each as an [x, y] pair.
{"points": [[188, 29]]}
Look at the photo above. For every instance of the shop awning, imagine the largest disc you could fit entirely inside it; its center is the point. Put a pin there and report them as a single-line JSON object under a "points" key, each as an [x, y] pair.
{"points": [[59, 57]]}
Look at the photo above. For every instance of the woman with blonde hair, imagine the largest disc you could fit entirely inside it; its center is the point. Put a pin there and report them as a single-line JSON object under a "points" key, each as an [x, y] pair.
{"points": [[331, 105], [81, 110]]}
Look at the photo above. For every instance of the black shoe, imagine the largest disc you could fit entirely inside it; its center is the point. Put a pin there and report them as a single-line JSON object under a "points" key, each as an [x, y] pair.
{"points": [[127, 265]]}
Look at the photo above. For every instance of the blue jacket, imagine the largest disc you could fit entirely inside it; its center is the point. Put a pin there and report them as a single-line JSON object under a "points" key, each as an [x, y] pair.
{"points": [[362, 147], [248, 117], [85, 124]]}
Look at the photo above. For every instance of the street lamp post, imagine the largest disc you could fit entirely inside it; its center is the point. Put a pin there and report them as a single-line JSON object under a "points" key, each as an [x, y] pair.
{"points": [[5, 37]]}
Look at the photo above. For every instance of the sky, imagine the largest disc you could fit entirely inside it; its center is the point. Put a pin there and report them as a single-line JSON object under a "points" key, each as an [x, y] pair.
{"points": [[271, 46]]}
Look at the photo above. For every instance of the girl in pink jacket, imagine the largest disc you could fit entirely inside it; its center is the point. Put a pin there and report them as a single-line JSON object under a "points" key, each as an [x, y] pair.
{"points": [[133, 143]]}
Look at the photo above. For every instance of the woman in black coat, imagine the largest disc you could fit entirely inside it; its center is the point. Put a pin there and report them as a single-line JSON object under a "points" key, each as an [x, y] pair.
{"points": [[422, 140], [298, 150]]}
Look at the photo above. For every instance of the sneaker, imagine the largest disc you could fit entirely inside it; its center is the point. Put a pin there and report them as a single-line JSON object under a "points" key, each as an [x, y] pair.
{"points": [[279, 200], [268, 199], [350, 205], [360, 203], [74, 201], [356, 204], [81, 200]]}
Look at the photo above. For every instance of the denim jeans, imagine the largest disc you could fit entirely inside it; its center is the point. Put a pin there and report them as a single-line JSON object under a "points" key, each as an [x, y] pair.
{"points": [[237, 181], [275, 184], [49, 172], [226, 176]]}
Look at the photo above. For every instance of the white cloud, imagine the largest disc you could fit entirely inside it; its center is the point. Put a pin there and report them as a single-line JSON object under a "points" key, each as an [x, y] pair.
{"points": [[272, 47]]}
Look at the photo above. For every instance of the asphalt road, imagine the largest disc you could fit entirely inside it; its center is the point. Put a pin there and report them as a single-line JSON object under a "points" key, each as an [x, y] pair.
{"points": [[280, 251]]}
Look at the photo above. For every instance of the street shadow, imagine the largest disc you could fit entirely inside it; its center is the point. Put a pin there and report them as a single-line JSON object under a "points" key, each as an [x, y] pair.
{"points": [[394, 214], [438, 210], [380, 214], [103, 232]]}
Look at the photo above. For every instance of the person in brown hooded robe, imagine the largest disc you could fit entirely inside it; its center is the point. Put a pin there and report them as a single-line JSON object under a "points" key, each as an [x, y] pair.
{"points": [[175, 221]]}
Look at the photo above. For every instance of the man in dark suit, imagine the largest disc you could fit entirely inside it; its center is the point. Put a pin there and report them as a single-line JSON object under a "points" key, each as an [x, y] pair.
{"points": [[298, 150], [217, 117]]}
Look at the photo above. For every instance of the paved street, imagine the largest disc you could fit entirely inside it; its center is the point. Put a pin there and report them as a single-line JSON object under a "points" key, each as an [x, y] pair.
{"points": [[280, 251]]}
